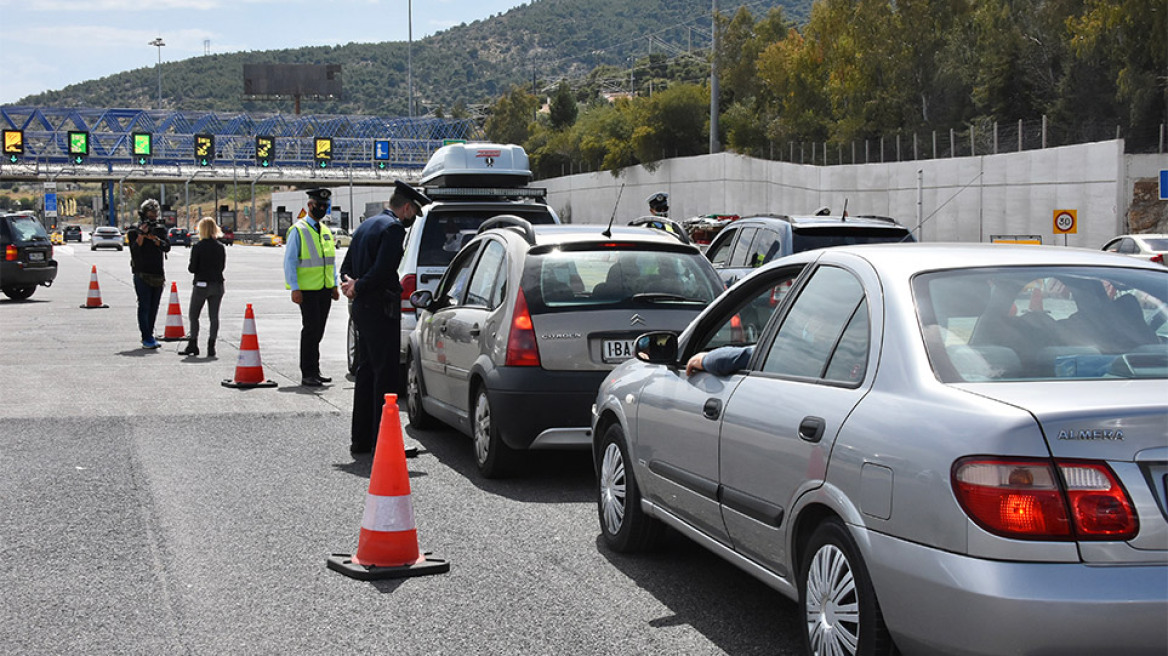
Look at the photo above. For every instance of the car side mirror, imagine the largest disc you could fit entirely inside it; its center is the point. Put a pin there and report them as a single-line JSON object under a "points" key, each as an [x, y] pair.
{"points": [[422, 299], [656, 348]]}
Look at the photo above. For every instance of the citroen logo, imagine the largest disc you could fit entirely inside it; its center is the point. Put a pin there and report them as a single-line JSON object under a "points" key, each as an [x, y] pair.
{"points": [[490, 161], [636, 320]]}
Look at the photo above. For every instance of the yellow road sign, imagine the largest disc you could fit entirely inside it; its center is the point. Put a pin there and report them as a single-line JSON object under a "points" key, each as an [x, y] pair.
{"points": [[1066, 222]]}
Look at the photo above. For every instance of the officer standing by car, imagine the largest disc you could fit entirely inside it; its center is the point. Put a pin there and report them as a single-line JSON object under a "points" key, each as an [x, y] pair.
{"points": [[148, 245], [310, 272], [659, 204], [370, 281]]}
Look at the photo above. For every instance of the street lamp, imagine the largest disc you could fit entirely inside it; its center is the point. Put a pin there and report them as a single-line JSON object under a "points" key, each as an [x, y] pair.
{"points": [[158, 43]]}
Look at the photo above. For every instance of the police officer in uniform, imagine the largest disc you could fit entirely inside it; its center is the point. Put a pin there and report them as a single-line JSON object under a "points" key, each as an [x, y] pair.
{"points": [[310, 272], [659, 204], [369, 280]]}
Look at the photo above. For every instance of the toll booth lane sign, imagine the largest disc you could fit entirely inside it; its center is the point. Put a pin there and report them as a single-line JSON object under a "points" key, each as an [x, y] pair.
{"points": [[1164, 185], [1066, 222]]}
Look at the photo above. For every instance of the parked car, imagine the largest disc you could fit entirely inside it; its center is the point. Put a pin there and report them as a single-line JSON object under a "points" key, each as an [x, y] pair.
{"points": [[512, 345], [940, 449], [342, 238], [28, 256], [467, 189], [179, 237], [752, 241], [106, 237], [1144, 246], [228, 237], [72, 233]]}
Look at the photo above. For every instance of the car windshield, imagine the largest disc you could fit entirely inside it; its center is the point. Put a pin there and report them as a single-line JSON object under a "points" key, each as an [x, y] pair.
{"points": [[1043, 323], [27, 228], [809, 239], [445, 232], [613, 277]]}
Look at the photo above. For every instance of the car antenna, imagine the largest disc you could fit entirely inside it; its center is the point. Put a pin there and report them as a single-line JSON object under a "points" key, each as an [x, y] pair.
{"points": [[608, 231], [844, 216]]}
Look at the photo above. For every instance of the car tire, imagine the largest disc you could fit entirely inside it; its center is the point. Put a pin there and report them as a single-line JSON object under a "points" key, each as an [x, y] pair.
{"points": [[493, 458], [839, 602], [623, 523], [351, 347], [19, 293], [119, 249], [419, 418], [93, 248]]}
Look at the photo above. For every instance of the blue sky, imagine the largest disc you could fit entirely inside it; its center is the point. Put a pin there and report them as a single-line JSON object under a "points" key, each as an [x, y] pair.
{"points": [[50, 44]]}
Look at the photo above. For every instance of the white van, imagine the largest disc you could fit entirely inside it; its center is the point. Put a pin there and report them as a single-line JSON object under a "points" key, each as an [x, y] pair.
{"points": [[469, 183]]}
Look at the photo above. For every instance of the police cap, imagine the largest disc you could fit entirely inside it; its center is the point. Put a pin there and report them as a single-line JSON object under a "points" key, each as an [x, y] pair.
{"points": [[659, 201], [320, 195], [417, 197]]}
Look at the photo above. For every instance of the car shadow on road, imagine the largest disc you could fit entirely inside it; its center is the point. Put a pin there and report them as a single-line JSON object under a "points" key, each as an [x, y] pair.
{"points": [[542, 476], [735, 611]]}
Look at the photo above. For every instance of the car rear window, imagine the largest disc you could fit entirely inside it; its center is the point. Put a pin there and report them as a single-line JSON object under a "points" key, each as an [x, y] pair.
{"points": [[27, 228], [808, 239], [1038, 323], [445, 232], [618, 278], [1157, 244]]}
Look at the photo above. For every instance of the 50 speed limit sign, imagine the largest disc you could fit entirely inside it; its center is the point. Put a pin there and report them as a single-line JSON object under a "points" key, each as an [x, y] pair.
{"points": [[1066, 222]]}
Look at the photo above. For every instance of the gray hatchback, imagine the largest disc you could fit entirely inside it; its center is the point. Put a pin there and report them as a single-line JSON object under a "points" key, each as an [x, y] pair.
{"points": [[527, 320], [936, 449]]}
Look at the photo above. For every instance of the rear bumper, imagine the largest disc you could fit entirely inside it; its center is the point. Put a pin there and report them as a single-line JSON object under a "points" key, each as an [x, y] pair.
{"points": [[22, 274], [538, 409], [939, 602]]}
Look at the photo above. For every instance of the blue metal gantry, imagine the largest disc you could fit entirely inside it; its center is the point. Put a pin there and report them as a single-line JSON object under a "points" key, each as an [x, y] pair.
{"points": [[411, 140]]}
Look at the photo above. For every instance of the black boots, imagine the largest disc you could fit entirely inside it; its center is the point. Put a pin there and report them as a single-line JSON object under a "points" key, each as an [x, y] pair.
{"points": [[210, 348], [191, 349]]}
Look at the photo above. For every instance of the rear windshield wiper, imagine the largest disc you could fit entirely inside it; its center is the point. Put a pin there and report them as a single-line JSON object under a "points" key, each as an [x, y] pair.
{"points": [[662, 297]]}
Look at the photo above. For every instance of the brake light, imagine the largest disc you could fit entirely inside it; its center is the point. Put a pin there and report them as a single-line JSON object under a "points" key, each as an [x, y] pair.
{"points": [[409, 285], [1158, 258], [1027, 499], [10, 253], [522, 350]]}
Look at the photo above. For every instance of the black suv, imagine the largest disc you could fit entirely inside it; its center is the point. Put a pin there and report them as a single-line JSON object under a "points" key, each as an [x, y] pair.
{"points": [[72, 233], [750, 242], [28, 256]]}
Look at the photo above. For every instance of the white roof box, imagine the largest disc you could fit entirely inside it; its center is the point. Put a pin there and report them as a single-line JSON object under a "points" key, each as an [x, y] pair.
{"points": [[477, 165]]}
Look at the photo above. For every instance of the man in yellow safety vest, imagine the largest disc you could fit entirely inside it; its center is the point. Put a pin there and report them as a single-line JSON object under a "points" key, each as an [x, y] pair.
{"points": [[310, 272]]}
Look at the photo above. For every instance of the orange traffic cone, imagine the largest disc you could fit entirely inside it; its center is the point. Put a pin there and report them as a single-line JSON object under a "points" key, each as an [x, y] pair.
{"points": [[174, 323], [388, 544], [93, 300], [249, 371]]}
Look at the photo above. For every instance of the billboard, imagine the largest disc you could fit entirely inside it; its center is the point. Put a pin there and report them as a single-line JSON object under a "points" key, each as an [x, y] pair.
{"points": [[306, 81]]}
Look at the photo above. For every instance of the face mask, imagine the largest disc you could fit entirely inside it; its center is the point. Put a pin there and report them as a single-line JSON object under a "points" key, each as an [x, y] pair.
{"points": [[316, 212]]}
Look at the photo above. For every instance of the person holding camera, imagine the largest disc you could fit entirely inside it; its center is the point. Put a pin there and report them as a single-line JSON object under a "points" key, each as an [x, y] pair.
{"points": [[148, 246]]}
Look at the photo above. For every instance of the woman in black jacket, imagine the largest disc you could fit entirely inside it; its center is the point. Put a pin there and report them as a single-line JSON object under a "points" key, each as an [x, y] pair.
{"points": [[208, 258]]}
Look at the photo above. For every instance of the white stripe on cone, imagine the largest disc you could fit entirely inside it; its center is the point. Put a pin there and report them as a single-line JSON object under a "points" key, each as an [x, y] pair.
{"points": [[249, 358], [388, 513]]}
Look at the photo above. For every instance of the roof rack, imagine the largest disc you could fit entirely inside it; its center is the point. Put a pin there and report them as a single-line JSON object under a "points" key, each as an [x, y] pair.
{"points": [[520, 225], [668, 226], [486, 193]]}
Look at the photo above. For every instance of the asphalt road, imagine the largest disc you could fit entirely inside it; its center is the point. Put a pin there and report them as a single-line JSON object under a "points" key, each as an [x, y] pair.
{"points": [[147, 509]]}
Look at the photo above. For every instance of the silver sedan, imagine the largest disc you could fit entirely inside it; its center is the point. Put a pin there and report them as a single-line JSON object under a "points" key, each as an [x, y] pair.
{"points": [[932, 448]]}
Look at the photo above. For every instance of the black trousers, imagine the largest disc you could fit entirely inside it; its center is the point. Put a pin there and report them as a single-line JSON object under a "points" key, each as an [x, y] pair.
{"points": [[314, 311], [378, 327]]}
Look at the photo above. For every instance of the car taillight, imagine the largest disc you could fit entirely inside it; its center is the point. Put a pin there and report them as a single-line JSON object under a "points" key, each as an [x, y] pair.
{"points": [[1158, 258], [10, 253], [409, 286], [1027, 499], [522, 350]]}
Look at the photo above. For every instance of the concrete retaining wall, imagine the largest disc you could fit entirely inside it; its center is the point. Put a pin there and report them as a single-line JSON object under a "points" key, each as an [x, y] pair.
{"points": [[966, 199]]}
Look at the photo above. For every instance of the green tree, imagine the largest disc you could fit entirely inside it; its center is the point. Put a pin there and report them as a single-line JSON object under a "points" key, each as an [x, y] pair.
{"points": [[673, 123], [563, 110], [511, 117]]}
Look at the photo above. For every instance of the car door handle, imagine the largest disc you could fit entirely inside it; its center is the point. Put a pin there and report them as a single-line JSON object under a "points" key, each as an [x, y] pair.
{"points": [[475, 331], [811, 429], [712, 409]]}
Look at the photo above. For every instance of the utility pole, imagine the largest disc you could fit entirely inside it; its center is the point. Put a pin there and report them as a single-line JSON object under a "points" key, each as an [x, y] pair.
{"points": [[410, 59], [715, 147], [158, 43]]}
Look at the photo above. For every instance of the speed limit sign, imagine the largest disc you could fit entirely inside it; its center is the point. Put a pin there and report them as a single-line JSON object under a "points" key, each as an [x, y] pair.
{"points": [[1066, 222]]}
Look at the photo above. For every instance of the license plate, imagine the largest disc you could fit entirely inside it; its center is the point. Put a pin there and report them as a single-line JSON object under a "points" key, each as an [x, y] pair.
{"points": [[34, 256], [617, 350]]}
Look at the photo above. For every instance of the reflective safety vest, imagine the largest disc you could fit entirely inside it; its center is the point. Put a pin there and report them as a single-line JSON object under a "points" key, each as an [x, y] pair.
{"points": [[315, 268]]}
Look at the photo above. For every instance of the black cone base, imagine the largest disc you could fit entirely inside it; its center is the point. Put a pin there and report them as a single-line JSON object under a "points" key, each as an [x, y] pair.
{"points": [[232, 383], [344, 564]]}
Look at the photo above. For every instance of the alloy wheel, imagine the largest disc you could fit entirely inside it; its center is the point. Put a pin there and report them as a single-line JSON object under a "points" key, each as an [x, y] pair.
{"points": [[832, 604], [612, 488]]}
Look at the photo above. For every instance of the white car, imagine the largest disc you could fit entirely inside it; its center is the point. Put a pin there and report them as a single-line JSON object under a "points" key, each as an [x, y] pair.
{"points": [[1146, 247], [105, 237]]}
